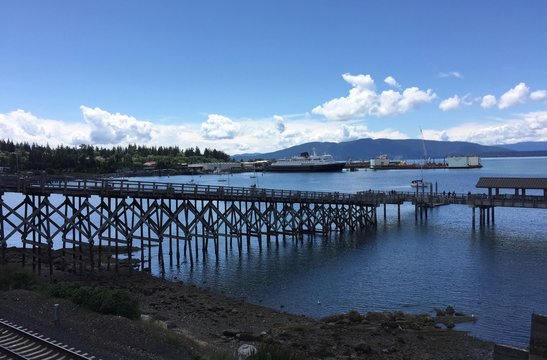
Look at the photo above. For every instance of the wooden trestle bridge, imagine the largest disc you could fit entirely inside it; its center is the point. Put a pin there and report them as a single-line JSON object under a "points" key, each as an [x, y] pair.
{"points": [[90, 224]]}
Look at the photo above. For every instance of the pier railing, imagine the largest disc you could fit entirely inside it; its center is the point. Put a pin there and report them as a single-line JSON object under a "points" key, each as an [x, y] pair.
{"points": [[123, 188]]}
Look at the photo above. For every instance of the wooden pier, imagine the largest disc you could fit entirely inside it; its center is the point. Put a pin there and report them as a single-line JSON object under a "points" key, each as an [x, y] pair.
{"points": [[102, 224]]}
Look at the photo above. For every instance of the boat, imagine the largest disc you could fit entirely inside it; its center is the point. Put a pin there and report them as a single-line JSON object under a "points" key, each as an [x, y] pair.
{"points": [[420, 183], [307, 163]]}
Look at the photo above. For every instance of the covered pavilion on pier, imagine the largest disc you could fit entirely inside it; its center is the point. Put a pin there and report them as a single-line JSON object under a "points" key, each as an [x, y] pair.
{"points": [[519, 185]]}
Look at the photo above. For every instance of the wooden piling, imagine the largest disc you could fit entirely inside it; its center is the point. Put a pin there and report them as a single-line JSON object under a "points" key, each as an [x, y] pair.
{"points": [[504, 352], [538, 337]]}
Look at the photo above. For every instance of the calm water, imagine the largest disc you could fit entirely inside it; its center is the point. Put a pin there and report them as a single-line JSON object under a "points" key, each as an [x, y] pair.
{"points": [[499, 273]]}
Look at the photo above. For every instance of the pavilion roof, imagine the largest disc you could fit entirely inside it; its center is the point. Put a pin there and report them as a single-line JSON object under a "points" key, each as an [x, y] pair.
{"points": [[512, 183]]}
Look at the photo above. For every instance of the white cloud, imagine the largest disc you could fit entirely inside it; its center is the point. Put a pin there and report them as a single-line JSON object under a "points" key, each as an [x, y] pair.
{"points": [[515, 96], [23, 126], [526, 127], [456, 101], [361, 82], [254, 135], [112, 129], [450, 104], [390, 80], [355, 132], [279, 123], [488, 101], [388, 102], [412, 97], [455, 74], [363, 100], [219, 127], [538, 95]]}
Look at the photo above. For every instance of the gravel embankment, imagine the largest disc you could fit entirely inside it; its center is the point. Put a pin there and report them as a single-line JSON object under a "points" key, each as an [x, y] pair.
{"points": [[206, 320]]}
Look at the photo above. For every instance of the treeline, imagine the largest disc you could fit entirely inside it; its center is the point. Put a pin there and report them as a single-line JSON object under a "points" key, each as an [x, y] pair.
{"points": [[21, 157]]}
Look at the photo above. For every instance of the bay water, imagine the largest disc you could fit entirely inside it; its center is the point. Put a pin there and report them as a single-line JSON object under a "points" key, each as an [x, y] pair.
{"points": [[497, 273]]}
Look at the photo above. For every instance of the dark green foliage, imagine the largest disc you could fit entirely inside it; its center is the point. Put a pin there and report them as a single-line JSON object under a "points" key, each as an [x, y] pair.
{"points": [[12, 277], [275, 352], [90, 159], [104, 301]]}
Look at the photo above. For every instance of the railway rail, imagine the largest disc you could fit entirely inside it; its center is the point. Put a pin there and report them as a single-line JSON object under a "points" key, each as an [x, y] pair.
{"points": [[18, 342]]}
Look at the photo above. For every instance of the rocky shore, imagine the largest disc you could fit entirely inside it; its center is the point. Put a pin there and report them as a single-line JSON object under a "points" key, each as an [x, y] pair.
{"points": [[197, 323]]}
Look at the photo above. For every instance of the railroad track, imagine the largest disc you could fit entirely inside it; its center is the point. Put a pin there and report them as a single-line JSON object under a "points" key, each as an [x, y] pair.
{"points": [[17, 342]]}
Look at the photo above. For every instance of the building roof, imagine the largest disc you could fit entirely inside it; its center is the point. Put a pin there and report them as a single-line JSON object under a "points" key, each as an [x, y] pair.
{"points": [[512, 183]]}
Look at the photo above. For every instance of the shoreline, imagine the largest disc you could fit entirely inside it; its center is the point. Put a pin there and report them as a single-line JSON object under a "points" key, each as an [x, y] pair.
{"points": [[210, 320]]}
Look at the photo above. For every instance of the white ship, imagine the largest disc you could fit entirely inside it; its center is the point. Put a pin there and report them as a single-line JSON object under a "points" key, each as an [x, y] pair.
{"points": [[307, 163]]}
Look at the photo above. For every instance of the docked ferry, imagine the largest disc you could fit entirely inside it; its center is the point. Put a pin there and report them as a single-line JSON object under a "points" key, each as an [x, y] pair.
{"points": [[307, 163]]}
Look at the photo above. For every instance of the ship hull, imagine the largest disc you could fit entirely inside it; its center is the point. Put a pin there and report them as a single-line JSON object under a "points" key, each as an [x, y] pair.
{"points": [[307, 168]]}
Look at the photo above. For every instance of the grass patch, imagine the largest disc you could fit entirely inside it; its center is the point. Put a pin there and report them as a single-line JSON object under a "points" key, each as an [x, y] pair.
{"points": [[275, 352], [15, 277], [101, 300], [198, 349]]}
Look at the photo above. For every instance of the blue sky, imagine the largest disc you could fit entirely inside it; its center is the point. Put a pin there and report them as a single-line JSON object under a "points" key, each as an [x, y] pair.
{"points": [[257, 76]]}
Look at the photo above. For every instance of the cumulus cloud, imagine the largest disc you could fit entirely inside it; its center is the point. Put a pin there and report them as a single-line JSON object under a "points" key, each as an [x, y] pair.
{"points": [[255, 135], [361, 82], [363, 100], [390, 80], [450, 104], [219, 127], [455, 74], [538, 95], [488, 101], [23, 126], [515, 96], [355, 132], [112, 129], [525, 127], [455, 102], [279, 123], [411, 98]]}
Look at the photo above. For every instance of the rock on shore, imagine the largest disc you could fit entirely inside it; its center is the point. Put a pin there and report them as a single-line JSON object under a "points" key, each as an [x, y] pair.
{"points": [[214, 321]]}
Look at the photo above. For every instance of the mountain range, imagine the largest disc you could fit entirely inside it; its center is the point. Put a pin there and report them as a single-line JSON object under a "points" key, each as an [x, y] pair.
{"points": [[365, 149]]}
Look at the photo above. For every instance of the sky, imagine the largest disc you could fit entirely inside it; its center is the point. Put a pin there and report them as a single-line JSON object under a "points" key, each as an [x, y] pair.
{"points": [[258, 76]]}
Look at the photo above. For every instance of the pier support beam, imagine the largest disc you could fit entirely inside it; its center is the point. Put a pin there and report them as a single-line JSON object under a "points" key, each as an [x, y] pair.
{"points": [[538, 338], [3, 243], [473, 218]]}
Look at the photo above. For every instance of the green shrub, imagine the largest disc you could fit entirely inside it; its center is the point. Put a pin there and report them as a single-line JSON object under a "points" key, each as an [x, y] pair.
{"points": [[102, 300], [12, 277]]}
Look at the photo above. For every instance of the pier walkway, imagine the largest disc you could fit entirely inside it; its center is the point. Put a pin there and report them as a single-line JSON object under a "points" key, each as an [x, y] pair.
{"points": [[94, 223]]}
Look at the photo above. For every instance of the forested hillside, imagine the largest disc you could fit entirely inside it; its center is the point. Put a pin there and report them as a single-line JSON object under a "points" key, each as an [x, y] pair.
{"points": [[89, 159]]}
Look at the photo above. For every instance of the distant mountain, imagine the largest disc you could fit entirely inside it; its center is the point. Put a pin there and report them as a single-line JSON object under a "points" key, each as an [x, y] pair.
{"points": [[364, 149], [526, 146]]}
